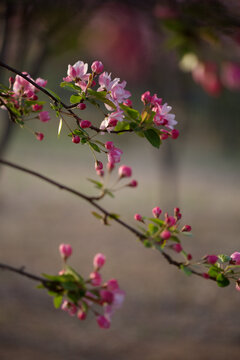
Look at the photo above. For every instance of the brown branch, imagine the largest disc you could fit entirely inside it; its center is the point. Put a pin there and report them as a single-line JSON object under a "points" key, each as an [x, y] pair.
{"points": [[22, 272]]}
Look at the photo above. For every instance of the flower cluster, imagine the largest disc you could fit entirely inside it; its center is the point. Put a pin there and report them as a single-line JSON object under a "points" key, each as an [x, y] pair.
{"points": [[81, 296]]}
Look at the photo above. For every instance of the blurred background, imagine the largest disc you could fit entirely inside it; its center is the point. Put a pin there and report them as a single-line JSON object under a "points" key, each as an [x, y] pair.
{"points": [[188, 52]]}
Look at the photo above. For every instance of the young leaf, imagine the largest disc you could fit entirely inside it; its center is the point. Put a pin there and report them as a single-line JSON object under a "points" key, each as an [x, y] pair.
{"points": [[75, 99], [57, 301], [224, 258], [186, 270], [98, 216], [94, 146], [97, 183], [153, 137], [222, 281], [214, 271], [152, 229]]}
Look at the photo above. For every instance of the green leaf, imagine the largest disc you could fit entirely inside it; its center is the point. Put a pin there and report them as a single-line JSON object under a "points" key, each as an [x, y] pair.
{"points": [[122, 125], [57, 301], [75, 99], [57, 278], [153, 137], [53, 93], [98, 216], [94, 146], [214, 271], [224, 258], [132, 113], [174, 238], [97, 183], [114, 216], [186, 270], [101, 96], [153, 229], [70, 271], [70, 86], [147, 243], [157, 221], [222, 281]]}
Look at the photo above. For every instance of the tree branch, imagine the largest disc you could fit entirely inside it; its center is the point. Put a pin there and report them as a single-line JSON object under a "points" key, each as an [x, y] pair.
{"points": [[22, 272]]}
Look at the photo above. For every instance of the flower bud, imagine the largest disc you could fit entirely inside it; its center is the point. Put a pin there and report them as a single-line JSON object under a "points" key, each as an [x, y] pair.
{"points": [[112, 285], [44, 116], [75, 139], [100, 173], [165, 234], [186, 228], [103, 322], [174, 134], [65, 250], [177, 247], [170, 220], [146, 97], [106, 296], [238, 285], [124, 171], [211, 259], [97, 67], [138, 217], [39, 136], [109, 145], [96, 278], [156, 212], [128, 103], [99, 260], [85, 124], [205, 275], [81, 106], [36, 107], [81, 315], [133, 183], [189, 257]]}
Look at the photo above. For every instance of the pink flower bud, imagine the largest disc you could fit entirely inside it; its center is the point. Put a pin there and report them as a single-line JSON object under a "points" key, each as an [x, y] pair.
{"points": [[238, 285], [96, 278], [146, 97], [189, 257], [205, 275], [100, 173], [170, 220], [174, 134], [81, 315], [112, 285], [98, 165], [138, 217], [124, 171], [164, 135], [165, 234], [106, 297], [112, 122], [34, 97], [64, 305], [30, 94], [177, 213], [75, 139], [85, 124], [97, 67], [81, 106], [72, 309], [177, 247], [156, 212], [11, 81], [109, 145], [128, 103], [235, 257], [211, 259], [99, 260], [37, 107], [65, 250], [44, 116], [110, 166], [186, 228], [133, 183], [41, 82], [39, 136], [103, 322]]}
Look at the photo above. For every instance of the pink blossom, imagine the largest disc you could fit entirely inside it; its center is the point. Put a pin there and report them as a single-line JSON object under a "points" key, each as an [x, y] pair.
{"points": [[41, 82], [211, 259], [64, 305], [96, 278], [22, 87], [118, 92], [186, 228], [133, 183], [103, 322], [98, 165], [231, 76], [138, 217], [170, 220], [109, 145], [72, 309], [235, 257], [128, 103], [81, 106], [110, 166], [124, 171], [112, 285], [238, 285], [119, 296], [163, 117], [106, 296], [105, 82], [114, 155], [97, 67], [146, 97], [65, 250], [99, 260], [76, 139], [111, 120], [177, 247], [164, 134], [44, 116], [78, 74], [174, 134], [156, 212], [85, 124], [155, 100], [39, 136], [165, 234]]}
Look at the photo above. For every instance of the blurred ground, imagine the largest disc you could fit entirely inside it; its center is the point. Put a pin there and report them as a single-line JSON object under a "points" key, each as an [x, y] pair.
{"points": [[166, 315]]}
